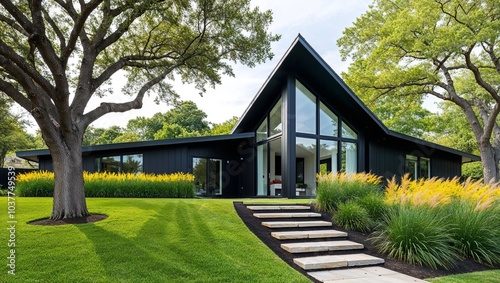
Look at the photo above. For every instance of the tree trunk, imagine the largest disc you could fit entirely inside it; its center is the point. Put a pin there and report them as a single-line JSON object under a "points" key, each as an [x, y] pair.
{"points": [[489, 161], [69, 193]]}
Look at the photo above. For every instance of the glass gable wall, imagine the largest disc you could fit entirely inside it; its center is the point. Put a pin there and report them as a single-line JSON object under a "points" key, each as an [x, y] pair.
{"points": [[323, 143], [320, 134]]}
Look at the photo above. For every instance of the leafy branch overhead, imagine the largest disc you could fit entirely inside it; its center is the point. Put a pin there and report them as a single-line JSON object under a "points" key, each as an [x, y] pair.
{"points": [[55, 56], [54, 61], [404, 51]]}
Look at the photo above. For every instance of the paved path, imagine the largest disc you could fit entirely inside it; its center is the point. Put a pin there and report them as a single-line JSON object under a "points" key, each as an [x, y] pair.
{"points": [[332, 258]]}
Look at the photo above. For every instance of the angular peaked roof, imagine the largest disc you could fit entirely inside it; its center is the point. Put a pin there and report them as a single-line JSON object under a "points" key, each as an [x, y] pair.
{"points": [[302, 61]]}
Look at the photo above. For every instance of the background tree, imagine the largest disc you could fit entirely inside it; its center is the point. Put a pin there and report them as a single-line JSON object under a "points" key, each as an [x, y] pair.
{"points": [[56, 55], [12, 131], [225, 127], [404, 50]]}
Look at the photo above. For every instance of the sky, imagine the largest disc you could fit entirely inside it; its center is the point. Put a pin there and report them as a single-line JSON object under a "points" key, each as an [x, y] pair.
{"points": [[320, 22]]}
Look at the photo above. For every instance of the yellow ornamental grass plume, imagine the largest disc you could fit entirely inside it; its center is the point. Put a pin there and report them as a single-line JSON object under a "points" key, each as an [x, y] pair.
{"points": [[343, 177], [436, 192]]}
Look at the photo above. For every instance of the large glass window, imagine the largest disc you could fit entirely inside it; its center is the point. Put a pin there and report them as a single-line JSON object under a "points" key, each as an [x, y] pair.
{"points": [[425, 168], [328, 122], [262, 170], [349, 157], [207, 176], [417, 167], [305, 110], [275, 119], [306, 166], [411, 166], [328, 156], [347, 132], [132, 163], [262, 131], [120, 163]]}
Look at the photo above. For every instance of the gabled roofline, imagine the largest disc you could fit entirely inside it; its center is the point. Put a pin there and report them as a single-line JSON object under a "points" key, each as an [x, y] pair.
{"points": [[301, 42]]}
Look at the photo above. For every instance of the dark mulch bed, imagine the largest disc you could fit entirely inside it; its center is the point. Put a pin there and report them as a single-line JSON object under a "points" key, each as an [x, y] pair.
{"points": [[79, 220], [264, 234]]}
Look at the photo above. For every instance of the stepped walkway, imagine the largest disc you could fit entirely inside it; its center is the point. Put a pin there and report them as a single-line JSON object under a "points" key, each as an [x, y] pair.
{"points": [[324, 254]]}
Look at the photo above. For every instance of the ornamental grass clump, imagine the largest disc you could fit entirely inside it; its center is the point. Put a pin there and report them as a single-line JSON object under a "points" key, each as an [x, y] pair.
{"points": [[476, 232], [417, 235], [107, 184], [352, 216], [336, 188]]}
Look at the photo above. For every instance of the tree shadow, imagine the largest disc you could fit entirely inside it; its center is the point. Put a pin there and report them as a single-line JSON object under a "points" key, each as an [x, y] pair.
{"points": [[176, 232]]}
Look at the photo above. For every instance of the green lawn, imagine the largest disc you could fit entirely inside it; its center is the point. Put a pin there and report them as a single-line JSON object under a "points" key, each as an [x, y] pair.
{"points": [[492, 276], [151, 240], [143, 240]]}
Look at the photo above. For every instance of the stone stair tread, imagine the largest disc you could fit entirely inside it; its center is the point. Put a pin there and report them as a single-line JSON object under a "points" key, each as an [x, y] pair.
{"points": [[314, 234], [308, 247], [287, 215], [296, 224], [278, 207], [336, 261], [372, 274]]}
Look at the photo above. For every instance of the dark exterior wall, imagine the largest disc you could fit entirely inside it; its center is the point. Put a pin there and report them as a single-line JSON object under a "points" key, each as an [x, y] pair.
{"points": [[237, 155], [387, 159]]}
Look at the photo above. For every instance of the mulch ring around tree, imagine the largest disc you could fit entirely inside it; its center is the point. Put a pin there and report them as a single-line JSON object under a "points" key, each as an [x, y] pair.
{"points": [[422, 272], [78, 220]]}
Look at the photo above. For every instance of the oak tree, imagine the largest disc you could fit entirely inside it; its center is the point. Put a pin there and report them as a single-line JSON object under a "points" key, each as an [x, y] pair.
{"points": [[405, 50], [56, 55]]}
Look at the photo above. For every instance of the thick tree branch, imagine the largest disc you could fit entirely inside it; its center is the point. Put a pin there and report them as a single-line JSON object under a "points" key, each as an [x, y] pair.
{"points": [[13, 93], [477, 75], [18, 15]]}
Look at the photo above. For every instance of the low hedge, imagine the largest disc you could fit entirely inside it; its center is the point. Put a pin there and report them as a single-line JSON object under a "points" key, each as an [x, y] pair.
{"points": [[125, 185]]}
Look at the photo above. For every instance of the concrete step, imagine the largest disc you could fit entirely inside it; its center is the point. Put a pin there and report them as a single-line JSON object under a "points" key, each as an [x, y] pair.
{"points": [[287, 215], [316, 234], [372, 274], [279, 207], [336, 261], [311, 247], [296, 224]]}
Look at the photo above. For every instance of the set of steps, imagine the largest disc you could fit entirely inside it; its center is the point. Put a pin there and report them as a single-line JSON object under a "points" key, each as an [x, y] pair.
{"points": [[324, 253]]}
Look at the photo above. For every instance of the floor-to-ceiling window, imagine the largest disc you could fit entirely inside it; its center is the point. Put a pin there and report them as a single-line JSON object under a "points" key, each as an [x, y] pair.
{"points": [[207, 176], [269, 153], [324, 141]]}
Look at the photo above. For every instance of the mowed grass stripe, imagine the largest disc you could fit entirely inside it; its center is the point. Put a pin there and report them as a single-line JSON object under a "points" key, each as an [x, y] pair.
{"points": [[143, 240]]}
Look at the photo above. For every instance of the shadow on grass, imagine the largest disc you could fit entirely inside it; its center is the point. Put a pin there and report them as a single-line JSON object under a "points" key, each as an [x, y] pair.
{"points": [[167, 248]]}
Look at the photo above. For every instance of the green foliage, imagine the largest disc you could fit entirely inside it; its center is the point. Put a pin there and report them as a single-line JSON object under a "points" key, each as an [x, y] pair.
{"points": [[475, 232], [12, 132], [473, 170], [41, 184], [225, 127], [352, 216], [375, 205], [404, 51], [417, 235], [334, 189]]}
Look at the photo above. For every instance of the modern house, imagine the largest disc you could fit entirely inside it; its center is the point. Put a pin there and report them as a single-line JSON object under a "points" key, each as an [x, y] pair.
{"points": [[303, 120]]}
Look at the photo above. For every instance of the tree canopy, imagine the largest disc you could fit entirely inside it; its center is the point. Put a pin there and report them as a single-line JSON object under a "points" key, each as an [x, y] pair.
{"points": [[404, 50], [55, 56]]}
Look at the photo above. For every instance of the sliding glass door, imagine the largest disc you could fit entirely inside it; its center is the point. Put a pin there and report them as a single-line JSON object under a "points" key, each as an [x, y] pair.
{"points": [[207, 176]]}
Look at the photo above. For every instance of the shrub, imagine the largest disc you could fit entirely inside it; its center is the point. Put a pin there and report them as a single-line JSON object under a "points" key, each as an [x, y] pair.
{"points": [[476, 232], [352, 216], [41, 183], [417, 235], [336, 188]]}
